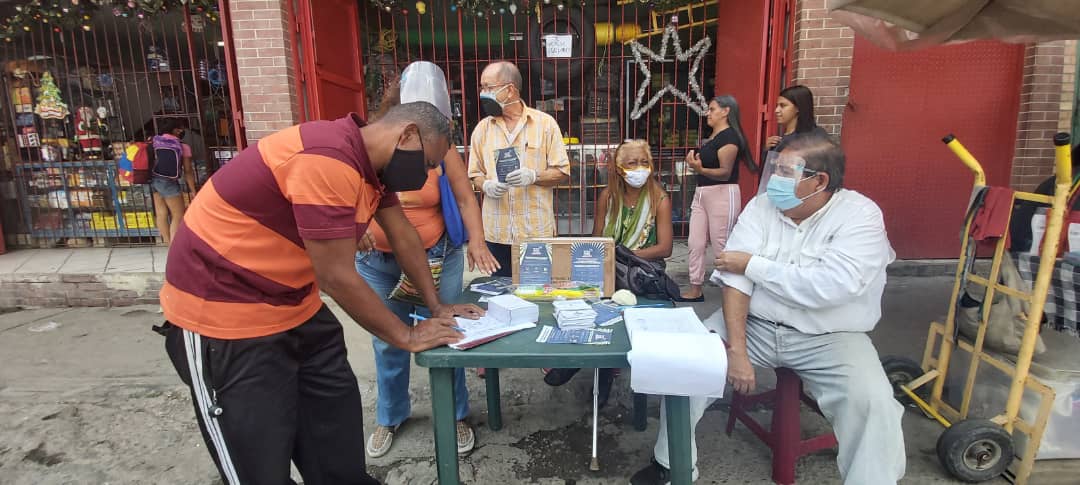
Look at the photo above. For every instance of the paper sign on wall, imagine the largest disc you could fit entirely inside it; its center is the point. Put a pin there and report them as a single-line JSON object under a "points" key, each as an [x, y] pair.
{"points": [[558, 45]]}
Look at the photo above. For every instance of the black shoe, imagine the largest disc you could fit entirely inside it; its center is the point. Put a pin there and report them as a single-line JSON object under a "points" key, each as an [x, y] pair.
{"points": [[654, 474], [558, 377], [607, 376]]}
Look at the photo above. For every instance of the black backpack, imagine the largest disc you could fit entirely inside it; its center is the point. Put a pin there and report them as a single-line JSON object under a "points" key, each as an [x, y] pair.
{"points": [[168, 157], [643, 277]]}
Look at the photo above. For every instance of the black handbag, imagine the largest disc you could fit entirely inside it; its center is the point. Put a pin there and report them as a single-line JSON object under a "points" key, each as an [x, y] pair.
{"points": [[643, 277]]}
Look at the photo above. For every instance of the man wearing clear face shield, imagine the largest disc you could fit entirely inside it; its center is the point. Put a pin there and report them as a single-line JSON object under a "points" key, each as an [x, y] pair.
{"points": [[516, 158], [804, 271]]}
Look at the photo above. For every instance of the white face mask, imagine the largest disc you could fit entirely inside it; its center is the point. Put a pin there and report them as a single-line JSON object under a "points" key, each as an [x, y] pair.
{"points": [[637, 178]]}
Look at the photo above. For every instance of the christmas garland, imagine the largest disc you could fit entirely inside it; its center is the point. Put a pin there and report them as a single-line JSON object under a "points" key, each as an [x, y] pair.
{"points": [[60, 15], [483, 8], [694, 100]]}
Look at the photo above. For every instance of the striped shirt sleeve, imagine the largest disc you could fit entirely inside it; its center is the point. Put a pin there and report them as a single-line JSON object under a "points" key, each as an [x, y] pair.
{"points": [[324, 193]]}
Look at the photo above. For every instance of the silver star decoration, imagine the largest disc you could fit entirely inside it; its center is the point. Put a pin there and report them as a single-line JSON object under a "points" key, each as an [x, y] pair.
{"points": [[698, 103]]}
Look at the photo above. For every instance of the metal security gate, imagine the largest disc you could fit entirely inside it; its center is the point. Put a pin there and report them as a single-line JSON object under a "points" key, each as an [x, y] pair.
{"points": [[82, 82], [578, 65]]}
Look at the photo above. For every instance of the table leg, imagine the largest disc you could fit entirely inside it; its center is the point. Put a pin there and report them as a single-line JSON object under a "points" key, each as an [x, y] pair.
{"points": [[641, 411], [494, 399], [678, 429], [442, 407]]}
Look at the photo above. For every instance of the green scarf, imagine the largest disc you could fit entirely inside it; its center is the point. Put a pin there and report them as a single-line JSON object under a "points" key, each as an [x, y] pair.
{"points": [[633, 228]]}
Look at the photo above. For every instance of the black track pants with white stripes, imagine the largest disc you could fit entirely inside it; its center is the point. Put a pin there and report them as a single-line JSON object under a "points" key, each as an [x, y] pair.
{"points": [[264, 401]]}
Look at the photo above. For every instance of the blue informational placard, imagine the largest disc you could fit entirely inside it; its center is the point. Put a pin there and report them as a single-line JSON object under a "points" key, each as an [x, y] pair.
{"points": [[506, 161], [587, 263], [587, 336], [535, 264]]}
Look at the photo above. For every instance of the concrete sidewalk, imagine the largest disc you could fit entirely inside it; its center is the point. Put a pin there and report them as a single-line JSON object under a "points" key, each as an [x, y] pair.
{"points": [[117, 277], [95, 277]]}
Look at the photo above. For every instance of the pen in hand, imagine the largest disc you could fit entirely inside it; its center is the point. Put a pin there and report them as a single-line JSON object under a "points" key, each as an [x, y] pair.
{"points": [[420, 318]]}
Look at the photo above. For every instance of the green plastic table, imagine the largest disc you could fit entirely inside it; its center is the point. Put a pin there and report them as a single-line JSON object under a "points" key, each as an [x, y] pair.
{"points": [[520, 350]]}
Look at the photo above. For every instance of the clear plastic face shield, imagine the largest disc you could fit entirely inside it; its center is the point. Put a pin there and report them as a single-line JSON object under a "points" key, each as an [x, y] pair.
{"points": [[783, 165], [424, 81]]}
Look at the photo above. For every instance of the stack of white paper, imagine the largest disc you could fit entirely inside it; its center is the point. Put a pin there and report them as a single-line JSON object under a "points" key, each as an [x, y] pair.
{"points": [[512, 310], [574, 314], [673, 353]]}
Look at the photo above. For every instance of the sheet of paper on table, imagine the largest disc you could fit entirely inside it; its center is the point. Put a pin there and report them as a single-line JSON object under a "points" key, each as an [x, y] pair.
{"points": [[672, 353], [485, 329], [671, 320]]}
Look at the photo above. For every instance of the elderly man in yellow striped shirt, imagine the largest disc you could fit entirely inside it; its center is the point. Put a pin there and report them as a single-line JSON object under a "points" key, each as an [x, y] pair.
{"points": [[517, 157]]}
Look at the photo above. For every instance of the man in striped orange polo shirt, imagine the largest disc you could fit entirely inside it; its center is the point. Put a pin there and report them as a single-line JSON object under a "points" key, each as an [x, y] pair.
{"points": [[248, 332]]}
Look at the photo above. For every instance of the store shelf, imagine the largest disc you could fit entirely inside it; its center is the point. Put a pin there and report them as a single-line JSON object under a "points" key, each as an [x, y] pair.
{"points": [[69, 232], [118, 211], [74, 164]]}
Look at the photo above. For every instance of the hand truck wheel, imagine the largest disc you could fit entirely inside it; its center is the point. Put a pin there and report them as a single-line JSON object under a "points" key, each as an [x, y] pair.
{"points": [[902, 371], [975, 450]]}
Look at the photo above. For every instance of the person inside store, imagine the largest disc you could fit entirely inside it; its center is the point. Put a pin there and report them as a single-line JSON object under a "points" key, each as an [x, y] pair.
{"points": [[794, 114], [636, 213], [246, 328], [516, 158], [168, 195], [717, 199], [376, 262], [804, 273]]}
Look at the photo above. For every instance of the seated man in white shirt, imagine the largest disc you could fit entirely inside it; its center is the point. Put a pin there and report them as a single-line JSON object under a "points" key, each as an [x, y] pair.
{"points": [[804, 271]]}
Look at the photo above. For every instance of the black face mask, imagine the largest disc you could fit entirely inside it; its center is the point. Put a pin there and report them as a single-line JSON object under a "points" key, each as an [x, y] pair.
{"points": [[407, 171], [491, 106]]}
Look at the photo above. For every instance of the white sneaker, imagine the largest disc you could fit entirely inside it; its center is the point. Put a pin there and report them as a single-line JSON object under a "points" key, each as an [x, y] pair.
{"points": [[466, 437], [378, 444]]}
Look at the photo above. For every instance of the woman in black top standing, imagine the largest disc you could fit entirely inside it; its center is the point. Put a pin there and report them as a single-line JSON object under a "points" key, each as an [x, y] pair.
{"points": [[717, 200], [794, 114]]}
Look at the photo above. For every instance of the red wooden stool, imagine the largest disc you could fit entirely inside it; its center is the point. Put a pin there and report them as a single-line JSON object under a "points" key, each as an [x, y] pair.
{"points": [[784, 437]]}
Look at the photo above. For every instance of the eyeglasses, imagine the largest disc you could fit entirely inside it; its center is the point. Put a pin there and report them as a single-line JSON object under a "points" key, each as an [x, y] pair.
{"points": [[493, 87], [634, 164]]}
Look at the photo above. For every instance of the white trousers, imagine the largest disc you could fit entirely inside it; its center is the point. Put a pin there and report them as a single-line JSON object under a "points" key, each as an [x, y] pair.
{"points": [[842, 372]]}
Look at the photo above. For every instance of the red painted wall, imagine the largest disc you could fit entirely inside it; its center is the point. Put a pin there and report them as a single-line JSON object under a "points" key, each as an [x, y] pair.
{"points": [[900, 106]]}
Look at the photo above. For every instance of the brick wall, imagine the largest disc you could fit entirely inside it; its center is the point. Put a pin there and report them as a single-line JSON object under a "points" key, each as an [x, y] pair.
{"points": [[263, 45], [1068, 88], [1044, 110], [823, 51]]}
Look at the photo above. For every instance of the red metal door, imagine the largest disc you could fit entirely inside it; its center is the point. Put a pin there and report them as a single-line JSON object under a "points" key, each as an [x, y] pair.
{"points": [[752, 55], [332, 72], [900, 106]]}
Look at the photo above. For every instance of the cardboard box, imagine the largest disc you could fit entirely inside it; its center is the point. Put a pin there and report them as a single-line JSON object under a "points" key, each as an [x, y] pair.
{"points": [[589, 260]]}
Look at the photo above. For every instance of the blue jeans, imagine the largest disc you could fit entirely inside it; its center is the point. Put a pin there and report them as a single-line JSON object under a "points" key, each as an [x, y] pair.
{"points": [[381, 271]]}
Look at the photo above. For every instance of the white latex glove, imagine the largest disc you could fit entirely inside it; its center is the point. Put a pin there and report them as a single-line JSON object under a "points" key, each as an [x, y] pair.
{"points": [[494, 189], [521, 177]]}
